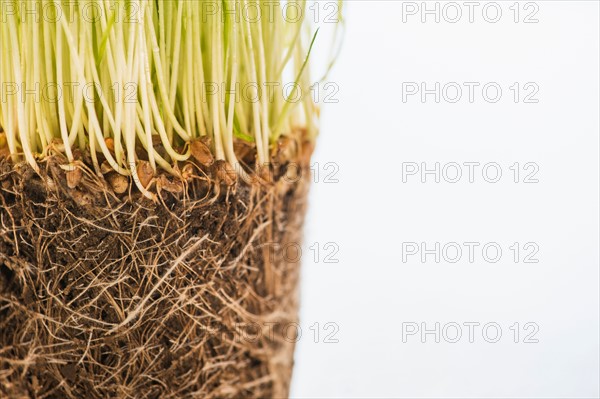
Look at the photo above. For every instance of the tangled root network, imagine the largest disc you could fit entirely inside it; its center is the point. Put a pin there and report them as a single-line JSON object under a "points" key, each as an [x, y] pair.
{"points": [[108, 296]]}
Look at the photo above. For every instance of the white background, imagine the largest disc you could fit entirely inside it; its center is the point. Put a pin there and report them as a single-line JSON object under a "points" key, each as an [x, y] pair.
{"points": [[370, 212]]}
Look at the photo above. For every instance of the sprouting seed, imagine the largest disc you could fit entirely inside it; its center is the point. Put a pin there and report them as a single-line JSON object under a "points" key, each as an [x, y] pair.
{"points": [[201, 152], [145, 173]]}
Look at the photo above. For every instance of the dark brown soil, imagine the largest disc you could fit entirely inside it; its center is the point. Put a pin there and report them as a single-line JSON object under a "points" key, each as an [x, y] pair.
{"points": [[115, 296]]}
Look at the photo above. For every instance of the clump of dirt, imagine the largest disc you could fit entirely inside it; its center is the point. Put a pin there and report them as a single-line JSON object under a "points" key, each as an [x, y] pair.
{"points": [[105, 294]]}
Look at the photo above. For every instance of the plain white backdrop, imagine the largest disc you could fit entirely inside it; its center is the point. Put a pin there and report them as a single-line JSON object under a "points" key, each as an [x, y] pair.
{"points": [[372, 297]]}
